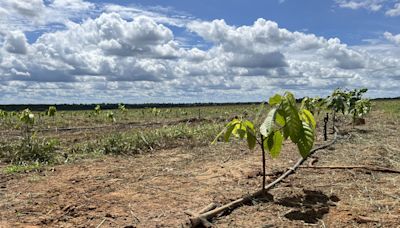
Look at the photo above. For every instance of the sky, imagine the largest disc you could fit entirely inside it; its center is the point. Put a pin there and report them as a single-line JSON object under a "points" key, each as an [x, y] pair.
{"points": [[180, 51]]}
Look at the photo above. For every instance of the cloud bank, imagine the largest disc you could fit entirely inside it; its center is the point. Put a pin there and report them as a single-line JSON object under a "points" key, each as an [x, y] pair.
{"points": [[134, 55], [389, 7]]}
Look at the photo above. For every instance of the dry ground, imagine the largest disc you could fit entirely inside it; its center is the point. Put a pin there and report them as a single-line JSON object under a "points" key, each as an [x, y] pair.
{"points": [[154, 190]]}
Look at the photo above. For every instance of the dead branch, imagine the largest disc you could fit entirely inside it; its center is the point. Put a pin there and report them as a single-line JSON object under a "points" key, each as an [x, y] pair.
{"points": [[203, 218], [364, 219]]}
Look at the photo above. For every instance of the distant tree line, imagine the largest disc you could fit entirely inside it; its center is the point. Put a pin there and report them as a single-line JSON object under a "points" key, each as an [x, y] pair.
{"points": [[104, 106]]}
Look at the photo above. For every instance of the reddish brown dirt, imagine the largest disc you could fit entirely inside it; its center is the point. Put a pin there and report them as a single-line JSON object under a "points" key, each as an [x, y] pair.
{"points": [[154, 190]]}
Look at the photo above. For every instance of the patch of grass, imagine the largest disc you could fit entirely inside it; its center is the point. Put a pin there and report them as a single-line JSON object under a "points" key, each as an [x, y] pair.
{"points": [[28, 150], [139, 141], [391, 107], [11, 169]]}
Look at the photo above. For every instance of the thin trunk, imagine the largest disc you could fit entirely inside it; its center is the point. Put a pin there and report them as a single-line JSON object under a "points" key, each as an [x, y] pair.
{"points": [[333, 121], [263, 162], [326, 119]]}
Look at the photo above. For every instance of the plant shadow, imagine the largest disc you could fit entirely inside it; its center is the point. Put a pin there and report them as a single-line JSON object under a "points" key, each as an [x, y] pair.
{"points": [[308, 207], [262, 198]]}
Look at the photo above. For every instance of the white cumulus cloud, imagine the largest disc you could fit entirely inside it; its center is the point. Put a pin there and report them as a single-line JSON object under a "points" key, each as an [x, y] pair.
{"points": [[395, 11], [16, 42], [127, 54], [372, 5], [393, 38]]}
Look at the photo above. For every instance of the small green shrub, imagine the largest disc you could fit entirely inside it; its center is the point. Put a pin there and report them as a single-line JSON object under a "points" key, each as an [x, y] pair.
{"points": [[29, 150], [116, 144]]}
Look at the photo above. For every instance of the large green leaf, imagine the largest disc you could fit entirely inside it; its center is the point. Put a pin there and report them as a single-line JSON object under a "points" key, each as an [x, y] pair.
{"points": [[289, 97], [228, 131], [276, 146], [239, 130], [276, 99], [251, 139], [249, 124], [269, 141], [250, 134], [306, 140], [293, 124], [279, 119], [308, 117], [267, 126]]}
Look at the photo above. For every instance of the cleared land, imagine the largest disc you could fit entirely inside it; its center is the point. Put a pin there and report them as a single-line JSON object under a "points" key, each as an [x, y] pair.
{"points": [[159, 165]]}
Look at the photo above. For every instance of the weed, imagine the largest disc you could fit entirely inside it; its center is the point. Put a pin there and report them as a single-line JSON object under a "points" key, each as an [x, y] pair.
{"points": [[22, 168], [28, 150]]}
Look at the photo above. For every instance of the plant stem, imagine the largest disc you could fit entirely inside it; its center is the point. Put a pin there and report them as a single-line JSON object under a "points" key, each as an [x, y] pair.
{"points": [[326, 119], [333, 121], [263, 162]]}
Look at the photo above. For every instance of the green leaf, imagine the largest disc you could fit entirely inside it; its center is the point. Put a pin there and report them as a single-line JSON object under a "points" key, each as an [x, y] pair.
{"points": [[249, 124], [290, 98], [277, 144], [308, 117], [276, 99], [237, 125], [306, 140], [269, 141], [279, 119], [251, 139], [267, 126], [241, 132], [305, 102], [228, 131], [292, 127]]}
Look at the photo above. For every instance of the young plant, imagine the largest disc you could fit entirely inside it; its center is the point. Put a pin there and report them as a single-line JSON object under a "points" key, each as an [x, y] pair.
{"points": [[284, 121], [121, 108], [349, 102], [155, 111], [314, 105], [51, 112], [28, 119], [30, 148], [97, 110], [337, 102], [3, 115], [110, 116], [358, 107], [354, 96], [361, 108]]}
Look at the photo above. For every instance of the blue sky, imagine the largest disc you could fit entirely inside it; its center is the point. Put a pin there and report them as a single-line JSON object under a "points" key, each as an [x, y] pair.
{"points": [[81, 51], [323, 18]]}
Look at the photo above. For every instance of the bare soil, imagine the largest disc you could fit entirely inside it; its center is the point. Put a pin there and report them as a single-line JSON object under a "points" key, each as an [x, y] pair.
{"points": [[154, 189]]}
